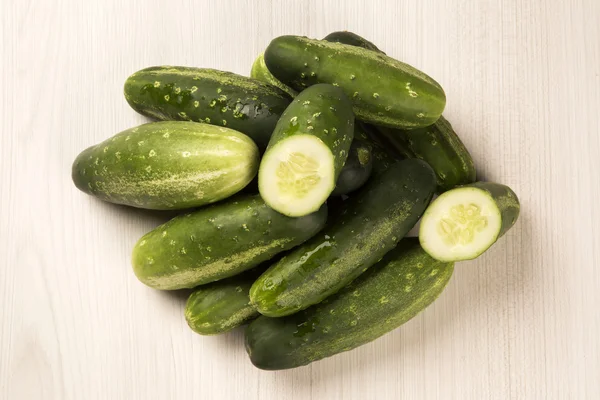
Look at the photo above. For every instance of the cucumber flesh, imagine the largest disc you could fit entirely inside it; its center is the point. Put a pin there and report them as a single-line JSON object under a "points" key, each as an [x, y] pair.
{"points": [[463, 223], [297, 175]]}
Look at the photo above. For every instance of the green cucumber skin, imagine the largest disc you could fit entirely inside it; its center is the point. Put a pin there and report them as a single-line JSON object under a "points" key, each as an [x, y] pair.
{"points": [[261, 72], [369, 225], [351, 39], [384, 91], [437, 144], [440, 147], [322, 111], [221, 306], [209, 96], [381, 158], [218, 242], [506, 200], [167, 166], [356, 170], [392, 292]]}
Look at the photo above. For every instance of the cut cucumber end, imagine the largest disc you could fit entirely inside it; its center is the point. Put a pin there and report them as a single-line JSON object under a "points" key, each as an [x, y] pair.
{"points": [[460, 224], [297, 175]]}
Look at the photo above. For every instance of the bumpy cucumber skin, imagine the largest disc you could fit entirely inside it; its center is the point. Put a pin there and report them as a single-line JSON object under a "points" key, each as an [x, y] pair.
{"points": [[207, 95], [437, 144], [261, 72], [357, 168], [352, 39], [167, 166], [323, 111], [392, 292], [506, 200], [384, 91], [440, 147], [218, 242], [368, 226], [221, 306]]}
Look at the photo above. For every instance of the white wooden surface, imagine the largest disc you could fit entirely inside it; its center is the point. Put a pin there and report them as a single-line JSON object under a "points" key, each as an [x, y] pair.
{"points": [[521, 322]]}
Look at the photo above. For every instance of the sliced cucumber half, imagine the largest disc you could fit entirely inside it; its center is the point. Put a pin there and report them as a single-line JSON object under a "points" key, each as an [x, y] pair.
{"points": [[463, 223], [307, 151], [297, 175]]}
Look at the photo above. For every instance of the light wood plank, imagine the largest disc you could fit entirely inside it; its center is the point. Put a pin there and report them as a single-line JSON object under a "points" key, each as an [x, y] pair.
{"points": [[523, 87]]}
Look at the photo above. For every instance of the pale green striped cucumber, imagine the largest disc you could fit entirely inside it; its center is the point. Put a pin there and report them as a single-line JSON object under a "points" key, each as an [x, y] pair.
{"points": [[307, 151], [218, 242], [261, 72], [384, 91], [369, 225], [221, 306], [167, 165], [392, 292], [207, 95], [464, 222]]}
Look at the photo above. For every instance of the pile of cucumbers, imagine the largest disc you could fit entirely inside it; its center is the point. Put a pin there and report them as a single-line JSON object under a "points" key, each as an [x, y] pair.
{"points": [[299, 186]]}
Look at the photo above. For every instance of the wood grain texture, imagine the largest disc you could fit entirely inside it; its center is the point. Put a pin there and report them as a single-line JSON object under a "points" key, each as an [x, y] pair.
{"points": [[521, 322]]}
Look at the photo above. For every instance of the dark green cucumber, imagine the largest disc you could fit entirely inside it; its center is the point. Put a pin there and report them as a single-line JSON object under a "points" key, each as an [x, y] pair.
{"points": [[370, 224], [357, 168], [167, 165], [392, 292], [464, 222], [207, 95], [440, 147], [218, 242], [384, 91], [307, 151], [261, 72], [221, 306], [351, 39]]}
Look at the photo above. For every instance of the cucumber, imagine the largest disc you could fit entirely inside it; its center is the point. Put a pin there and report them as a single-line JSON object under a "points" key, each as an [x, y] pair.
{"points": [[307, 151], [221, 306], [355, 173], [167, 165], [437, 144], [218, 242], [207, 95], [357, 168], [464, 222], [440, 147], [392, 292], [384, 91], [351, 39], [261, 72], [370, 224]]}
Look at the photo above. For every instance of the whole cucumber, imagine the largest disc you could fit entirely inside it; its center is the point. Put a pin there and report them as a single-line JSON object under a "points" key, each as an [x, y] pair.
{"points": [[369, 225], [393, 291], [209, 96], [167, 166]]}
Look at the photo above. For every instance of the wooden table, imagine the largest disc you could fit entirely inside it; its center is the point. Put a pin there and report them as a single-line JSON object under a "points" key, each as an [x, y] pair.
{"points": [[521, 322]]}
